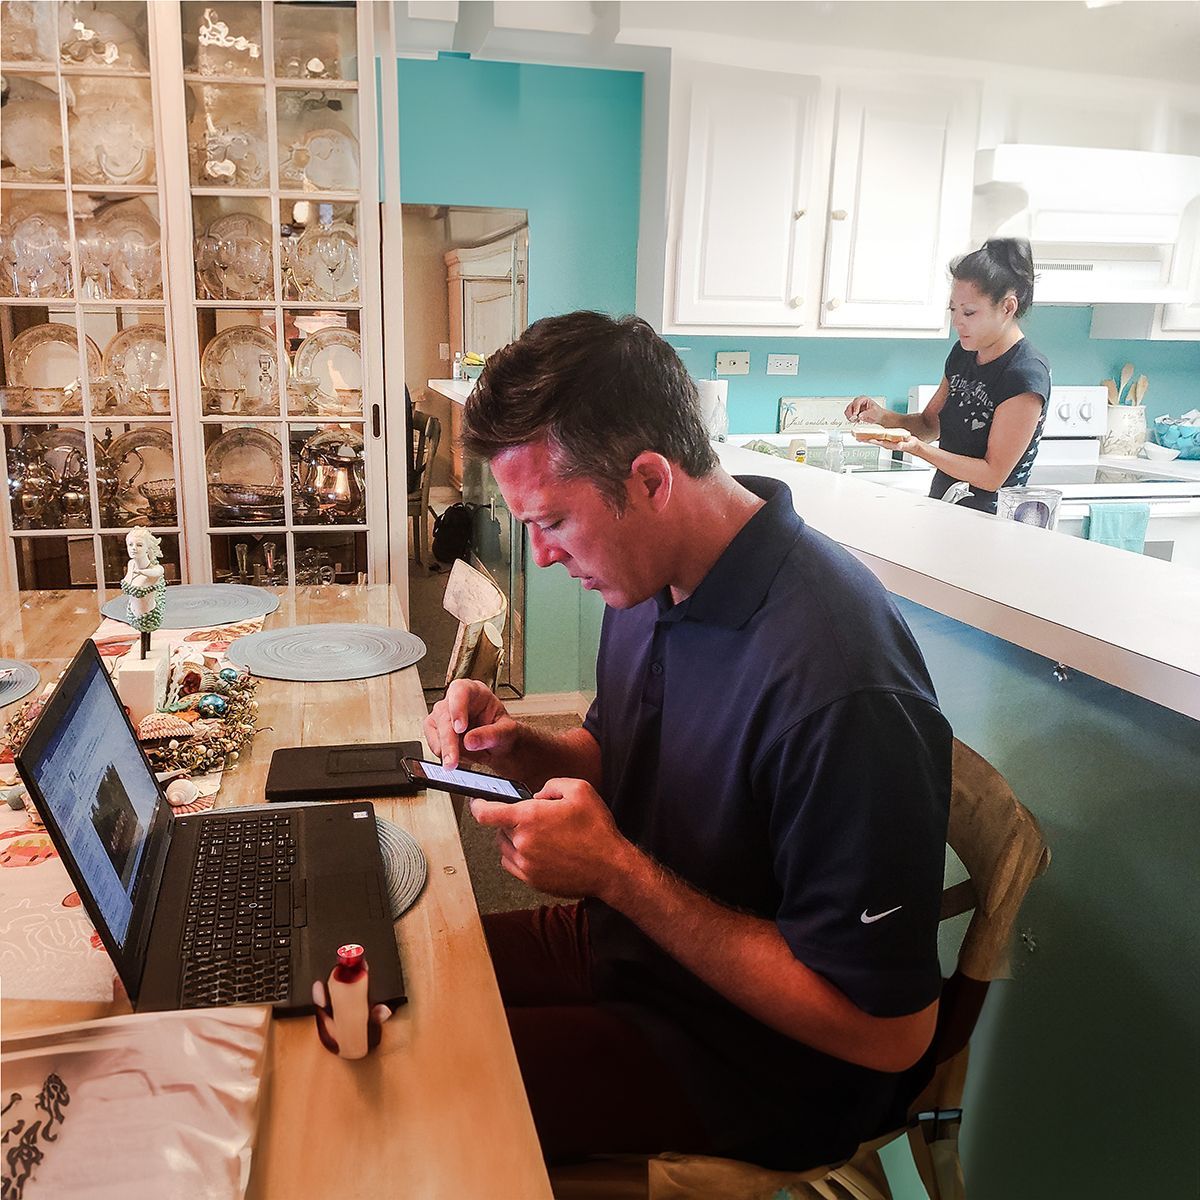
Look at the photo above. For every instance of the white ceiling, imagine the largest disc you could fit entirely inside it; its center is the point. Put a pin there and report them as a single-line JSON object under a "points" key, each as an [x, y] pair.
{"points": [[1156, 40], [1148, 39]]}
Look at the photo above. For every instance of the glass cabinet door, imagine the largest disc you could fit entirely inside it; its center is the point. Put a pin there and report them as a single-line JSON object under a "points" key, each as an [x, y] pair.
{"points": [[205, 375], [88, 413], [273, 140]]}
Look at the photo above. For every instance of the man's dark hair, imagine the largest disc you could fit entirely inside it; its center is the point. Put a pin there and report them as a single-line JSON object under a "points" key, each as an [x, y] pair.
{"points": [[599, 390]]}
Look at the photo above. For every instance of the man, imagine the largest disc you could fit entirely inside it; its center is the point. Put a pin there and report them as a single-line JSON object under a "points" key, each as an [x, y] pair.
{"points": [[754, 810]]}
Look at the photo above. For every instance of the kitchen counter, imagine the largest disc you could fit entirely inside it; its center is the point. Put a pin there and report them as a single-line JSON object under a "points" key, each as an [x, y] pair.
{"points": [[453, 389], [1129, 620]]}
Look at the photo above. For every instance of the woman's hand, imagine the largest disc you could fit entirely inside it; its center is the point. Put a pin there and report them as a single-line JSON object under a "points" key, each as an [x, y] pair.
{"points": [[863, 408], [910, 445]]}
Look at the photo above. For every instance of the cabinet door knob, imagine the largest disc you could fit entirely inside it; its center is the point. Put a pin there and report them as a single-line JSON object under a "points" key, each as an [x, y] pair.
{"points": [[838, 214], [795, 301], [834, 303], [799, 213]]}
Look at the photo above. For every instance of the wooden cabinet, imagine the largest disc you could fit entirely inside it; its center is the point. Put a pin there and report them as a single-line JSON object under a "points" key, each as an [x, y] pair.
{"points": [[899, 208], [744, 249], [753, 243]]}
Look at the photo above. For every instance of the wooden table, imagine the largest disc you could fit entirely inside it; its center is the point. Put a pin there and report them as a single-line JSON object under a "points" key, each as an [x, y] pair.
{"points": [[439, 1109]]}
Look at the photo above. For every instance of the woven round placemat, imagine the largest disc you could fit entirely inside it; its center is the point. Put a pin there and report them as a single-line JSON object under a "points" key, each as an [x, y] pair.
{"points": [[19, 684], [403, 866], [193, 605], [324, 653]]}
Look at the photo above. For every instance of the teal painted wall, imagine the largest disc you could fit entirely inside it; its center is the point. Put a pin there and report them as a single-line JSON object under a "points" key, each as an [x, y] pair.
{"points": [[564, 144], [1084, 1080], [890, 366]]}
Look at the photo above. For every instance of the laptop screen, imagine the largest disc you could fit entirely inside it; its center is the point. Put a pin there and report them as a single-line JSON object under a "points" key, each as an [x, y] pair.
{"points": [[93, 778]]}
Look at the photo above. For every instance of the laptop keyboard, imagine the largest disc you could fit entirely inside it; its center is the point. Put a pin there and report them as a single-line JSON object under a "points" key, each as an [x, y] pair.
{"points": [[237, 938]]}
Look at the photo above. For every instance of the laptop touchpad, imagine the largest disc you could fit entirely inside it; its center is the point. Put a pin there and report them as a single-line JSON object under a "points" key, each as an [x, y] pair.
{"points": [[347, 893]]}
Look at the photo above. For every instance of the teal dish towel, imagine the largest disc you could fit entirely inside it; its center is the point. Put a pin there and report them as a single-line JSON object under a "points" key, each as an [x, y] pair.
{"points": [[1119, 525]]}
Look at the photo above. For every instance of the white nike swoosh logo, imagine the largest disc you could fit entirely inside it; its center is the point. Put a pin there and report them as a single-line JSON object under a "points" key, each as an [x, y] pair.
{"points": [[870, 920]]}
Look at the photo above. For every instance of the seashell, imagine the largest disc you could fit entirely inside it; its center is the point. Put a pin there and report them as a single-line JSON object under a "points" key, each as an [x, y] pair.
{"points": [[162, 725]]}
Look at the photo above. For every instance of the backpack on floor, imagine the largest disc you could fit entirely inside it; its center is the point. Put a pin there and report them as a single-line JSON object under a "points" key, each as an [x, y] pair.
{"points": [[452, 533]]}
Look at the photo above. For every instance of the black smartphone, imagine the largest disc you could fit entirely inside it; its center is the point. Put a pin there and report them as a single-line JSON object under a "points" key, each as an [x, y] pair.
{"points": [[469, 783]]}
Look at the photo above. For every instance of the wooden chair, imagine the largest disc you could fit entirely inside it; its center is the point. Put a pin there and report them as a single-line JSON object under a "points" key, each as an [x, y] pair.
{"points": [[481, 608], [1001, 846], [428, 432]]}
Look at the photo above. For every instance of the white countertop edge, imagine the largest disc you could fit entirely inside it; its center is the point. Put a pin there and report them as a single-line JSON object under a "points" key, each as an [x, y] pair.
{"points": [[453, 389], [1131, 621]]}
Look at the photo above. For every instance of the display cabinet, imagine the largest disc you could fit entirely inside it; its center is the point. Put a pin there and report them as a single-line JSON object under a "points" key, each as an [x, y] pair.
{"points": [[204, 374]]}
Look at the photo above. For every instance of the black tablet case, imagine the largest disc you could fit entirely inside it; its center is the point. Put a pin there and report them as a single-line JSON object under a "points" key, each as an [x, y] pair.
{"points": [[341, 772]]}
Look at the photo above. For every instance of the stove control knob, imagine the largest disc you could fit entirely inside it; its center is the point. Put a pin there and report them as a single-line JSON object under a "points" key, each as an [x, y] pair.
{"points": [[1064, 411], [1085, 411]]}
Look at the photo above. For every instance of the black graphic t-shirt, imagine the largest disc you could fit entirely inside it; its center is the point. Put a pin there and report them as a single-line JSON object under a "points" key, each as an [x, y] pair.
{"points": [[975, 393]]}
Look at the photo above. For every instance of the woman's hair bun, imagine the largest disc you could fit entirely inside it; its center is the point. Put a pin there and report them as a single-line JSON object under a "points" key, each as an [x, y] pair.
{"points": [[999, 266]]}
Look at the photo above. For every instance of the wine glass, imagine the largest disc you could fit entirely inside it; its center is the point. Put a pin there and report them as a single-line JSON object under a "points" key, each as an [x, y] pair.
{"points": [[254, 261], [224, 257], [144, 264], [206, 259], [8, 259]]}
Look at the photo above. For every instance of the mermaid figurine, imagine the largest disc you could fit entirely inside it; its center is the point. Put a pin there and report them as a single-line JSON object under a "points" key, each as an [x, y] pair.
{"points": [[145, 583]]}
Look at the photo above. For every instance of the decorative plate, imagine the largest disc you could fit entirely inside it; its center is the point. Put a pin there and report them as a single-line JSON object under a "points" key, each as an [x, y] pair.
{"points": [[110, 130], [325, 263], [127, 222], [232, 281], [323, 160], [246, 458], [138, 357], [321, 653], [333, 357], [233, 359], [140, 455], [48, 356]]}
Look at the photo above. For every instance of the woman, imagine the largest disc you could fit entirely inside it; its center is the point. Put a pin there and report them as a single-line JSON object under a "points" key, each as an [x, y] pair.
{"points": [[989, 409]]}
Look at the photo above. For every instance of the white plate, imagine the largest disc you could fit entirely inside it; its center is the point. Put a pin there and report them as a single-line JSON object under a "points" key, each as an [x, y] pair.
{"points": [[138, 357], [47, 356], [334, 358], [232, 360], [323, 160], [110, 130]]}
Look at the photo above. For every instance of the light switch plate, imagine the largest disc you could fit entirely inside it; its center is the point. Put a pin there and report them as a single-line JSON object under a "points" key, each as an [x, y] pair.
{"points": [[444, 351], [783, 364], [733, 362]]}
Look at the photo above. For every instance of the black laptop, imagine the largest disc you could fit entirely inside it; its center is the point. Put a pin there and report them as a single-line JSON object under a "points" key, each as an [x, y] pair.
{"points": [[230, 906]]}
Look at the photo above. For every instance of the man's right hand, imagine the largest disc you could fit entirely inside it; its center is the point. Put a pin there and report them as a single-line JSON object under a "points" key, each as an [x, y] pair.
{"points": [[863, 408], [470, 724]]}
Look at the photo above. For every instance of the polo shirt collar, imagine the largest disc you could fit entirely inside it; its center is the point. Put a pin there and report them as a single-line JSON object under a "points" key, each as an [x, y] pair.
{"points": [[737, 584]]}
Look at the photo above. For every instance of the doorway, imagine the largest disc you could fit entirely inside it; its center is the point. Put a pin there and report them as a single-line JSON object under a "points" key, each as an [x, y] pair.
{"points": [[465, 293]]}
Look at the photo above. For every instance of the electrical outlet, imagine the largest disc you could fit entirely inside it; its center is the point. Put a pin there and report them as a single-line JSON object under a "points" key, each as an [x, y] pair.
{"points": [[444, 351], [733, 362], [783, 364]]}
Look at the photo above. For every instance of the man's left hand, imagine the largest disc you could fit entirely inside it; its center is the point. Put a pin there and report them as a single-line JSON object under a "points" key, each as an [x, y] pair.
{"points": [[563, 842]]}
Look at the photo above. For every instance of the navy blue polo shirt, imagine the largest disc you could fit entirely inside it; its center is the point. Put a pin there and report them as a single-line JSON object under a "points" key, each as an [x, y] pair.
{"points": [[775, 740]]}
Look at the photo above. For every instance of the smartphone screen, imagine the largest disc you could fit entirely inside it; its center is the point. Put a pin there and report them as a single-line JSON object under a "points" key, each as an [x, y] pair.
{"points": [[470, 783]]}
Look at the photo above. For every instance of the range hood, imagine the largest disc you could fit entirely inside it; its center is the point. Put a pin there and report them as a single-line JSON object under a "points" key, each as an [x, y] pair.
{"points": [[1105, 224]]}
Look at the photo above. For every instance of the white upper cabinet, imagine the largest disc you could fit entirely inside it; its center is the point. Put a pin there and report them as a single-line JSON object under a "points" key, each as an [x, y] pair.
{"points": [[743, 246], [812, 205], [899, 208]]}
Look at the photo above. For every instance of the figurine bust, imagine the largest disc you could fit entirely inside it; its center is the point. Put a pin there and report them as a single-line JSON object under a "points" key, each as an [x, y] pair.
{"points": [[144, 582]]}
